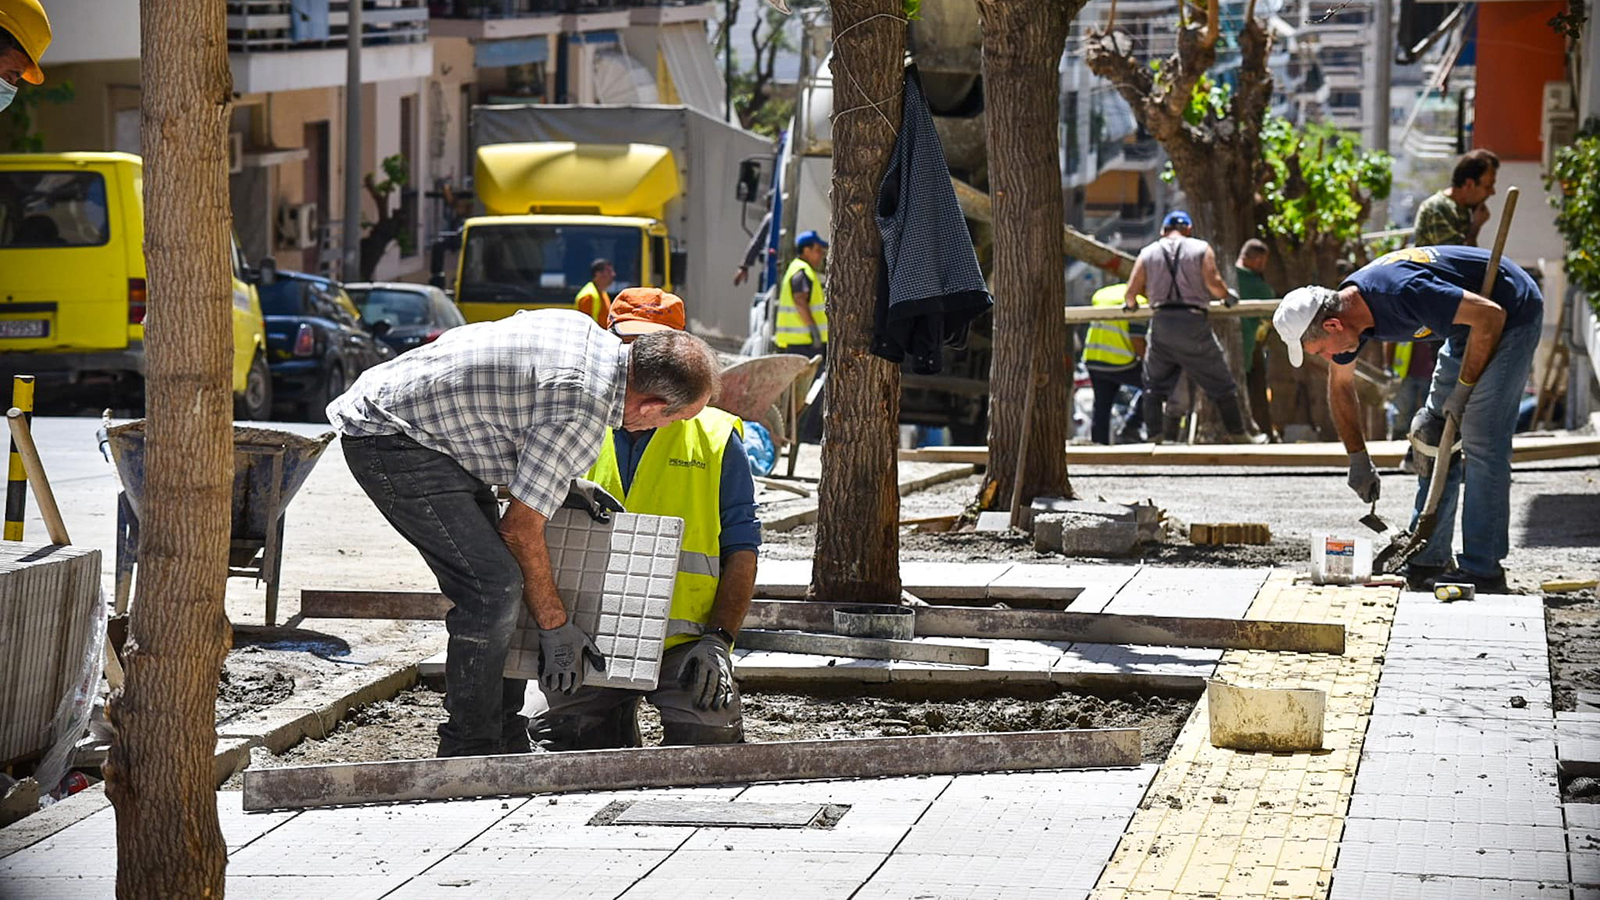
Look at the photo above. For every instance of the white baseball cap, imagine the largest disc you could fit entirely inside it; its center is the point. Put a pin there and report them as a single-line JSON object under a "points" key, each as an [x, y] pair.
{"points": [[1293, 316]]}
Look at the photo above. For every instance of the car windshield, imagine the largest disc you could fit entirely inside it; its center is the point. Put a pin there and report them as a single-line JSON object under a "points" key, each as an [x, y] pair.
{"points": [[283, 297], [543, 264], [395, 307], [53, 209]]}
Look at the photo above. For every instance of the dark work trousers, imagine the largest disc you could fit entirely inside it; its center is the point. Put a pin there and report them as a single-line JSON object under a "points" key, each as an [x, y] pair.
{"points": [[811, 420], [452, 519], [1106, 383], [1181, 342]]}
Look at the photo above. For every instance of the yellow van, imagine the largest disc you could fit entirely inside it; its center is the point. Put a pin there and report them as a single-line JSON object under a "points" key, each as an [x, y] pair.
{"points": [[72, 279]]}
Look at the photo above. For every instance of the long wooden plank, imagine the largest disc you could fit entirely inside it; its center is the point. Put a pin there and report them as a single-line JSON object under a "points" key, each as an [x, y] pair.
{"points": [[932, 621], [543, 773], [1081, 315], [1387, 454], [861, 648]]}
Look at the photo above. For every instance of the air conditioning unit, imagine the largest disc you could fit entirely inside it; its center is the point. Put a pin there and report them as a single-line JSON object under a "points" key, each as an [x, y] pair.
{"points": [[235, 153], [297, 225], [1558, 122]]}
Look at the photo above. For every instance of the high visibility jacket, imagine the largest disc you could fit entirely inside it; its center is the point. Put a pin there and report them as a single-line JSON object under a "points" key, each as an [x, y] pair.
{"points": [[1108, 345], [594, 303], [791, 329], [1402, 359], [680, 474]]}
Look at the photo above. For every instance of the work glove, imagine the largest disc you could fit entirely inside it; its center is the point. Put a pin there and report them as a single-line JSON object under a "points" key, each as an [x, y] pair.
{"points": [[708, 673], [562, 653], [1364, 477], [816, 336], [586, 495], [1456, 403], [1427, 429], [1231, 299]]}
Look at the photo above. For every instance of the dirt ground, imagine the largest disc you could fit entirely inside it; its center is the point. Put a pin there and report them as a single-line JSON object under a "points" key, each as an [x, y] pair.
{"points": [[405, 727]]}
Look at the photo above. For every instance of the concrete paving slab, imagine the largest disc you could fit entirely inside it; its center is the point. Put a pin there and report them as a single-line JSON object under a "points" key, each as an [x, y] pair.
{"points": [[1491, 863], [1515, 811], [756, 875], [783, 579], [855, 790], [718, 814], [87, 887], [1578, 744], [280, 886], [1065, 874], [1389, 886], [1222, 593], [950, 580], [868, 827], [1583, 817], [515, 873], [1094, 585]]}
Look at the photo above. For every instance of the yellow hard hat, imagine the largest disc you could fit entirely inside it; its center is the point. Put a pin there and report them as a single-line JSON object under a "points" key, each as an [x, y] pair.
{"points": [[26, 21]]}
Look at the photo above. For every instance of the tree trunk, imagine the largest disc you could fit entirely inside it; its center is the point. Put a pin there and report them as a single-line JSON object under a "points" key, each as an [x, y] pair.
{"points": [[858, 537], [1022, 44], [160, 771]]}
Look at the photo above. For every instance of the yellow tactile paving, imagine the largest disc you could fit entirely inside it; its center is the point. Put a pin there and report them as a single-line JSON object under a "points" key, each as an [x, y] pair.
{"points": [[1221, 824]]}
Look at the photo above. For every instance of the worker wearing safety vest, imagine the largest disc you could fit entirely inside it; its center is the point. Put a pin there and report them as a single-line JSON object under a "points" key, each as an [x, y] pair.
{"points": [[696, 470], [802, 318], [1412, 364], [1112, 351], [593, 301]]}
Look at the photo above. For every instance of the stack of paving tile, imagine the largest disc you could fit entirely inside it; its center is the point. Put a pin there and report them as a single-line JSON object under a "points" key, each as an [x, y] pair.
{"points": [[49, 596], [616, 579]]}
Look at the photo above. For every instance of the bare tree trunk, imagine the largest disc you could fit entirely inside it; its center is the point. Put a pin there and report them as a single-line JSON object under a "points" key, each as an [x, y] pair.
{"points": [[858, 538], [159, 774], [1022, 44]]}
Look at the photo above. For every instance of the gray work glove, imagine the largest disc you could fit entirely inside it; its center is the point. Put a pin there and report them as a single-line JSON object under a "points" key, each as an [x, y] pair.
{"points": [[1231, 299], [1456, 403], [708, 673], [1364, 477], [562, 653], [1427, 429], [816, 336], [587, 495]]}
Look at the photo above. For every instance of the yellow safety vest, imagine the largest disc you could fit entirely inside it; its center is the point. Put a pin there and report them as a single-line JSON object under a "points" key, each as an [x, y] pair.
{"points": [[1108, 345], [792, 330], [594, 303], [1402, 359], [680, 474]]}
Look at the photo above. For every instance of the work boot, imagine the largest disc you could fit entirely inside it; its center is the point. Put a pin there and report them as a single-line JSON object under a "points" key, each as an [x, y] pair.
{"points": [[1233, 422], [1420, 577], [1153, 404], [1485, 584]]}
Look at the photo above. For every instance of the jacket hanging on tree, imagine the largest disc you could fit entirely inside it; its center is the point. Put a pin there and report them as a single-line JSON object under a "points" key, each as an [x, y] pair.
{"points": [[929, 285]]}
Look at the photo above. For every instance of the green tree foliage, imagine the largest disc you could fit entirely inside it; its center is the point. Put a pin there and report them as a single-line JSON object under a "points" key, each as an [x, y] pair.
{"points": [[1320, 182], [756, 104], [1577, 174]]}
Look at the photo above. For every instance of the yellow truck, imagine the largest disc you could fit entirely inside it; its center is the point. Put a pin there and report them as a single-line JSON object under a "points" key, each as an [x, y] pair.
{"points": [[72, 280], [551, 209]]}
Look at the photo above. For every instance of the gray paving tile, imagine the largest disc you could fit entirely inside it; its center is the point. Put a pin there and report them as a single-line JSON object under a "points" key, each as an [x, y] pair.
{"points": [[304, 887], [1583, 817], [1388, 886], [1456, 834], [1585, 867], [1224, 593], [957, 877], [81, 887], [757, 875], [870, 827], [1578, 740], [493, 873], [1514, 811], [1464, 861], [1437, 736], [616, 578], [1097, 584]]}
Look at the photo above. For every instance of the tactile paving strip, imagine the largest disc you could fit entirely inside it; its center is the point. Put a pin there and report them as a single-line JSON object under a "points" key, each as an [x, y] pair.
{"points": [[616, 580]]}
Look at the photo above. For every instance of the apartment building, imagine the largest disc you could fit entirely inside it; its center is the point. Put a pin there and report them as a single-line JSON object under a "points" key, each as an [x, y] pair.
{"points": [[423, 66]]}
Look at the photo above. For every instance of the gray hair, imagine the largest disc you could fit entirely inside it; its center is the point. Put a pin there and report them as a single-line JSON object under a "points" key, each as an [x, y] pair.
{"points": [[1329, 305], [675, 366]]}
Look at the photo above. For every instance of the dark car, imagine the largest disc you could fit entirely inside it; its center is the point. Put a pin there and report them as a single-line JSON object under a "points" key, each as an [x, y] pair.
{"points": [[316, 341], [415, 314]]}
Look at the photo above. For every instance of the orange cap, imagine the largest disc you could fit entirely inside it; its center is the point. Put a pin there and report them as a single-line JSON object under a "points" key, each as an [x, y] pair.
{"points": [[641, 310]]}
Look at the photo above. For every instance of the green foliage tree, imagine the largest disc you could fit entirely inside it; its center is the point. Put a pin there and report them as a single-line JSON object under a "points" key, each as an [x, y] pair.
{"points": [[1577, 174], [392, 224], [754, 99], [1317, 190]]}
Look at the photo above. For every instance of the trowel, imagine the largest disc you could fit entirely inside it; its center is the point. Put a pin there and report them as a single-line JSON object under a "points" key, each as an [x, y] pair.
{"points": [[1374, 521]]}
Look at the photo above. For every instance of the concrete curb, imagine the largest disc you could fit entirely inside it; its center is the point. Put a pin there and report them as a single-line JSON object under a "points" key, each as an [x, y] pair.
{"points": [[56, 817], [794, 513]]}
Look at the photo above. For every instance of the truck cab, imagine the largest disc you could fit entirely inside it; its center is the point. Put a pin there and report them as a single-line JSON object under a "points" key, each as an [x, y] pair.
{"points": [[551, 209]]}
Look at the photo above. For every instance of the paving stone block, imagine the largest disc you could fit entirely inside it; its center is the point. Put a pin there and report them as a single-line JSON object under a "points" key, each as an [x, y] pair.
{"points": [[1074, 534], [757, 874], [493, 873], [616, 579], [1578, 744], [278, 886], [1390, 886]]}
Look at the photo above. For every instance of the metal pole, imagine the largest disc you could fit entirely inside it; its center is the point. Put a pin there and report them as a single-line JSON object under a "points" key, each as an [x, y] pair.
{"points": [[351, 269], [727, 60], [1384, 11], [17, 477], [788, 228]]}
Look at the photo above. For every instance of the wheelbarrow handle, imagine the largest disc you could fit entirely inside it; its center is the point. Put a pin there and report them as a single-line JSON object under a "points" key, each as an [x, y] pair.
{"points": [[23, 437]]}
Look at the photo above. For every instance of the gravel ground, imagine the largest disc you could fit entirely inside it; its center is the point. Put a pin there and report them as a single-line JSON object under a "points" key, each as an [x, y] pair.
{"points": [[405, 727]]}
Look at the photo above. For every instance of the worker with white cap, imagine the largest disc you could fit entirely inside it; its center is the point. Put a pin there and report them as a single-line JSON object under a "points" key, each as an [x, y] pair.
{"points": [[24, 35], [1427, 294]]}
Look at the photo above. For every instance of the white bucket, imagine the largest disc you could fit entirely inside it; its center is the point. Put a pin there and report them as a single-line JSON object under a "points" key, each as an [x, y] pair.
{"points": [[1336, 559]]}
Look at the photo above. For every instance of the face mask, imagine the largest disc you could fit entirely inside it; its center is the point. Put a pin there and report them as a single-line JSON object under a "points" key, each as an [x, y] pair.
{"points": [[8, 92]]}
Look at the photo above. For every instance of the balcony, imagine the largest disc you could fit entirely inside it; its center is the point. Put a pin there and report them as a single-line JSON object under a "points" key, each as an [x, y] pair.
{"points": [[284, 45]]}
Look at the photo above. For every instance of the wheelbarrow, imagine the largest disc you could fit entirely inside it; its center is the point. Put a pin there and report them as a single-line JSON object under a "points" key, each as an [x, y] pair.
{"points": [[269, 466]]}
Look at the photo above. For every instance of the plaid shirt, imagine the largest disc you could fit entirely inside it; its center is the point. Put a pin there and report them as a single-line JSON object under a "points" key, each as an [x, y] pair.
{"points": [[523, 402]]}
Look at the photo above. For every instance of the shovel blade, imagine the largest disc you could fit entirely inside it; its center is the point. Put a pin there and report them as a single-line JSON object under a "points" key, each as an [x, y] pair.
{"points": [[1375, 522]]}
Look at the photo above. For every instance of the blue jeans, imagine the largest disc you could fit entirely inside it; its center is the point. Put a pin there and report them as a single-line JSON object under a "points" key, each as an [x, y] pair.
{"points": [[452, 519], [1486, 429]]}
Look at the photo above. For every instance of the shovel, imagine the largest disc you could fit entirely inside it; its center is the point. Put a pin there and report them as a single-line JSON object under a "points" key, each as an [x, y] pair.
{"points": [[1409, 543], [1374, 521]]}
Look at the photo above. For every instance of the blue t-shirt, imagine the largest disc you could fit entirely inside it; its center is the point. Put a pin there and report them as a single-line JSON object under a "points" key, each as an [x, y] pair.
{"points": [[741, 530], [1414, 293]]}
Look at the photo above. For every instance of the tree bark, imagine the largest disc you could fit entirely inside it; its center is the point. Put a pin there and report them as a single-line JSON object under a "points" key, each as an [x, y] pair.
{"points": [[1022, 44], [160, 770], [858, 537]]}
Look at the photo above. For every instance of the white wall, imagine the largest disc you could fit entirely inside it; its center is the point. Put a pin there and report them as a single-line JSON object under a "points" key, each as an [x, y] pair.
{"points": [[91, 31]]}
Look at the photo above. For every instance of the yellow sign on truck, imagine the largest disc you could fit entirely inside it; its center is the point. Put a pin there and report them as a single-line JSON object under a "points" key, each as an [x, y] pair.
{"points": [[554, 207]]}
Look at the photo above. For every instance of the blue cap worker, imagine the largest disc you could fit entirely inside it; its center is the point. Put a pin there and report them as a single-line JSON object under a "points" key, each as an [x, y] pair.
{"points": [[802, 318], [1429, 294], [24, 35]]}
